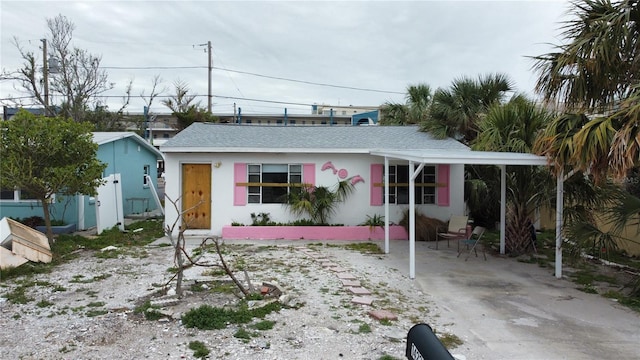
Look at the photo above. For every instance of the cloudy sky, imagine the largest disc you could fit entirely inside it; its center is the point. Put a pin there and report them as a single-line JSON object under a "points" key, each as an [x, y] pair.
{"points": [[272, 55]]}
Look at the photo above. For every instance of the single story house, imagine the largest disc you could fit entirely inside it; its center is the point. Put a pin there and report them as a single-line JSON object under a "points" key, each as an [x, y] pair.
{"points": [[125, 153], [220, 174]]}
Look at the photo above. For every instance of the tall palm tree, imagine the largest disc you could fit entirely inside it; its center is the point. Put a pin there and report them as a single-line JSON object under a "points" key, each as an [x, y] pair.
{"points": [[413, 111], [455, 112], [596, 72], [595, 76], [513, 127]]}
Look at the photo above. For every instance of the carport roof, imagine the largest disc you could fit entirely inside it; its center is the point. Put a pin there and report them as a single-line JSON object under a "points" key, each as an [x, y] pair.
{"points": [[463, 156]]}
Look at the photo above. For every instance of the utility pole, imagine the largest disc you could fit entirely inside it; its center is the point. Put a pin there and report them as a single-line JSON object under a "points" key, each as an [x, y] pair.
{"points": [[210, 68], [45, 73]]}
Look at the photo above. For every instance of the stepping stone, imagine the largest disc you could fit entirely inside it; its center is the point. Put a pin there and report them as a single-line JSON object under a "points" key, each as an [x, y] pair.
{"points": [[383, 315], [362, 300], [338, 269], [346, 276], [328, 264], [348, 283], [359, 291]]}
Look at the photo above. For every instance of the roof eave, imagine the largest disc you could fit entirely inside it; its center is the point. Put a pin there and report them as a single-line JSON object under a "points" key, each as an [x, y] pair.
{"points": [[187, 149], [466, 157]]}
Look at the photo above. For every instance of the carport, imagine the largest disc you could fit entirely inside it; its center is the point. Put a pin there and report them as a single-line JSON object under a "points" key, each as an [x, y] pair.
{"points": [[466, 157]]}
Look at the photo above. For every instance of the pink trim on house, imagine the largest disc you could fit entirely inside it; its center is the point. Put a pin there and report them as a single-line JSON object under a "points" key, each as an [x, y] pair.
{"points": [[376, 178], [396, 232], [309, 174], [443, 191], [239, 192]]}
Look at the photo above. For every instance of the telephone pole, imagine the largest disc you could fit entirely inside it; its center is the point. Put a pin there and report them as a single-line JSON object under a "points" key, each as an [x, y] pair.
{"points": [[210, 68], [45, 74]]}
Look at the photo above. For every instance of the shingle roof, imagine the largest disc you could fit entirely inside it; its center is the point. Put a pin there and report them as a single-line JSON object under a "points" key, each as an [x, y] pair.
{"points": [[107, 137], [206, 137]]}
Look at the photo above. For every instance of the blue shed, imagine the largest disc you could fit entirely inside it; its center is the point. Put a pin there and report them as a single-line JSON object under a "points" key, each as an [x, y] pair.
{"points": [[125, 153]]}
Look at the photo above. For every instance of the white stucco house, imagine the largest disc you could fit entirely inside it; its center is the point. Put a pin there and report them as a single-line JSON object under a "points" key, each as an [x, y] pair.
{"points": [[221, 173]]}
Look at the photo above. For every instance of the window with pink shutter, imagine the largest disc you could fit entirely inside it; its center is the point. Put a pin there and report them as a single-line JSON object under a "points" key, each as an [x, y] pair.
{"points": [[376, 184]]}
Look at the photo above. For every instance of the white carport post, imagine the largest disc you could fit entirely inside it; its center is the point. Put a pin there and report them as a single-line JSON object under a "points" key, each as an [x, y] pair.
{"points": [[412, 218], [559, 211], [503, 211], [386, 205]]}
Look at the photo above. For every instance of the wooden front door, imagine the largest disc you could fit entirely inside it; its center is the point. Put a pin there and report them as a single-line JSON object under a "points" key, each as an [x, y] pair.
{"points": [[196, 196]]}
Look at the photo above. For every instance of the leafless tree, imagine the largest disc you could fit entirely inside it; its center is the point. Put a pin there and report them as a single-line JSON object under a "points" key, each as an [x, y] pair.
{"points": [[184, 260], [155, 91], [76, 79]]}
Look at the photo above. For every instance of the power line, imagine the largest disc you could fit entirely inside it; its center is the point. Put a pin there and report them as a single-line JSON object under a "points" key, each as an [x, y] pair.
{"points": [[152, 67], [252, 74], [309, 82], [195, 95]]}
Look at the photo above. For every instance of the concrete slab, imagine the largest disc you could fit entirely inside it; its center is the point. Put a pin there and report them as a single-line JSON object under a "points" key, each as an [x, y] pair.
{"points": [[338, 269], [328, 264], [346, 276], [363, 300], [383, 315], [349, 283], [359, 291]]}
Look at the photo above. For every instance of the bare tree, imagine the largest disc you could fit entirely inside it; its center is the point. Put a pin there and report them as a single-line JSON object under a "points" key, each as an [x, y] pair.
{"points": [[155, 91], [184, 260], [148, 100], [75, 75]]}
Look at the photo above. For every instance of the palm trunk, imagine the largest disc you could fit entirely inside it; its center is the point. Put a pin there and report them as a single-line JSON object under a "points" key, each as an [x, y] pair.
{"points": [[518, 232]]}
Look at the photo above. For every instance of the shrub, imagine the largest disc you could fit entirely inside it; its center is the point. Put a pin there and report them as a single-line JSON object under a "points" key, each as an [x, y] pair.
{"points": [[207, 317], [200, 350]]}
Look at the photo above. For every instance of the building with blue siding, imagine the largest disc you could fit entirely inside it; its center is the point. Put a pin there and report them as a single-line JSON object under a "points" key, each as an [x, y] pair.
{"points": [[125, 153]]}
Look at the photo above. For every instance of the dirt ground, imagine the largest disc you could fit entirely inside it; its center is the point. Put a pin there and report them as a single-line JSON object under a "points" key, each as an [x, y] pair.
{"points": [[84, 309], [498, 309]]}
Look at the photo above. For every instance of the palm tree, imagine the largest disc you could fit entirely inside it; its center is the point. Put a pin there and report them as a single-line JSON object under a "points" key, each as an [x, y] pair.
{"points": [[513, 127], [318, 202], [596, 73], [414, 111], [455, 112]]}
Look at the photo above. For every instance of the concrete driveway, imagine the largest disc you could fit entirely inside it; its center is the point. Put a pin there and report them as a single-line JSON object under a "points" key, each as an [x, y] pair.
{"points": [[505, 309]]}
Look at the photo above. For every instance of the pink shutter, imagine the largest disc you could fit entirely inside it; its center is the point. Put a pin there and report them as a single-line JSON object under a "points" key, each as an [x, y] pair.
{"points": [[309, 174], [376, 178], [239, 176], [443, 188]]}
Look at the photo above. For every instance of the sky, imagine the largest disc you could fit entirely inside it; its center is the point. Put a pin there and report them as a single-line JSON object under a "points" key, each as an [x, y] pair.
{"points": [[272, 55]]}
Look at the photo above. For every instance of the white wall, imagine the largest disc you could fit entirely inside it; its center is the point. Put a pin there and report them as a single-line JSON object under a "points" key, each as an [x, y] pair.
{"points": [[354, 211]]}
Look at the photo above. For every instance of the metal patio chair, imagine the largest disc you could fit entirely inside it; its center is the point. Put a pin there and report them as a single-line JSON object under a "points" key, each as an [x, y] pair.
{"points": [[473, 241], [456, 230]]}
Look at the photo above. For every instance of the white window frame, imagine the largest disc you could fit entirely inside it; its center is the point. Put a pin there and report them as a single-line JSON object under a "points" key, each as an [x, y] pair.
{"points": [[255, 172], [428, 175]]}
